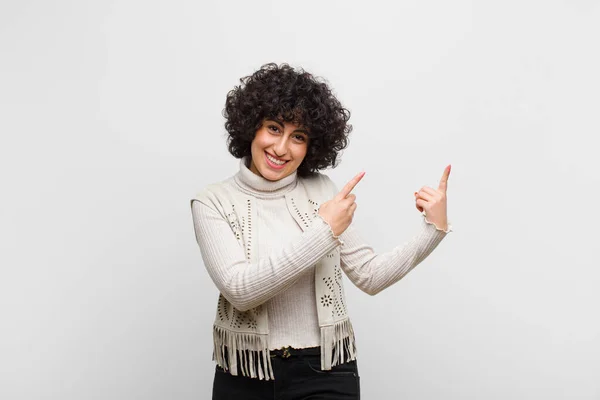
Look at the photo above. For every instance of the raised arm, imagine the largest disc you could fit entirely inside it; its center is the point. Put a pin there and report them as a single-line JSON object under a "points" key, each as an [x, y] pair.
{"points": [[247, 285], [373, 272]]}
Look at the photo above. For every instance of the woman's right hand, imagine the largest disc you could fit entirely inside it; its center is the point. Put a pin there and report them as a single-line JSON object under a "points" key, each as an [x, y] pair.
{"points": [[339, 211]]}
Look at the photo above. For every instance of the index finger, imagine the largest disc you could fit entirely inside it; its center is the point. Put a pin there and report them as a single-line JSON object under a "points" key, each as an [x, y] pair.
{"points": [[350, 185], [444, 181]]}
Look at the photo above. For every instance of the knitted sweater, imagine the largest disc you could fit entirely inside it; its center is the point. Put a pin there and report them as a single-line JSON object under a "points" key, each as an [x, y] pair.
{"points": [[287, 290]]}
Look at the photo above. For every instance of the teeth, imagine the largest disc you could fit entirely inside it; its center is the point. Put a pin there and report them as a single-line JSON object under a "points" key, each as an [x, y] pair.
{"points": [[274, 161]]}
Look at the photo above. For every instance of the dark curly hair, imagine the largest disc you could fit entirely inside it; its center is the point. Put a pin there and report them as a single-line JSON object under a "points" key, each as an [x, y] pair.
{"points": [[280, 92]]}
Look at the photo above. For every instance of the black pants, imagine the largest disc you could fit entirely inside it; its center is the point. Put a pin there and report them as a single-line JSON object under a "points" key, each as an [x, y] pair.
{"points": [[298, 376]]}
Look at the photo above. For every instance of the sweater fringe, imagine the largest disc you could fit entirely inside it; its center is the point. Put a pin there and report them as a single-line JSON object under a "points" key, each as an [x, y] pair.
{"points": [[242, 353], [338, 345]]}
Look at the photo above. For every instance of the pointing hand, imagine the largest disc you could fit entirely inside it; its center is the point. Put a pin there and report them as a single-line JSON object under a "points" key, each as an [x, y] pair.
{"points": [[339, 211], [433, 201]]}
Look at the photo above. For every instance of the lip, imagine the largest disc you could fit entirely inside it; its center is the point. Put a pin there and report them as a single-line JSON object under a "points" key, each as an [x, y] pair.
{"points": [[274, 166]]}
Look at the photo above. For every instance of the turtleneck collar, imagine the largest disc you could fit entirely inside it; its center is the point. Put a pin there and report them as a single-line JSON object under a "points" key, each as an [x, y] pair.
{"points": [[260, 187]]}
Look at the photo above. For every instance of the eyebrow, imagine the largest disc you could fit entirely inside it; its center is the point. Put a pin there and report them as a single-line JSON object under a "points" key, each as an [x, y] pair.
{"points": [[280, 123]]}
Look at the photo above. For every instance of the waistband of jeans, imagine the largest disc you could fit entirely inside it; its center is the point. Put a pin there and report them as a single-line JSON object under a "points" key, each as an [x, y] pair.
{"points": [[288, 351]]}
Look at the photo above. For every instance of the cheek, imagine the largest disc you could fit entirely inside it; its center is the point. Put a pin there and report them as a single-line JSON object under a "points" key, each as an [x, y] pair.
{"points": [[261, 140], [257, 144], [301, 154]]}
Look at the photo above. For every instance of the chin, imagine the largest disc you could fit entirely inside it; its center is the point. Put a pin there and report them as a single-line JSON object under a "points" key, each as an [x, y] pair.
{"points": [[272, 175]]}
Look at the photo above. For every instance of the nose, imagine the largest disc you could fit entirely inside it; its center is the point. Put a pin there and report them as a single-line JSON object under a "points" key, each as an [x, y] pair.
{"points": [[280, 147]]}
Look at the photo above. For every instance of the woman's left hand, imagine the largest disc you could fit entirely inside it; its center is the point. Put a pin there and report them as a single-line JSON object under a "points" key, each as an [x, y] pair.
{"points": [[433, 202]]}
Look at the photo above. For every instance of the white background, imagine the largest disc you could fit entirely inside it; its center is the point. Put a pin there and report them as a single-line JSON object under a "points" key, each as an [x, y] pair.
{"points": [[110, 116]]}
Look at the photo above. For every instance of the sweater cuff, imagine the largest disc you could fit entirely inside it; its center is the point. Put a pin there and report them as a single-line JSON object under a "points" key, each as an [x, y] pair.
{"points": [[450, 229], [319, 220]]}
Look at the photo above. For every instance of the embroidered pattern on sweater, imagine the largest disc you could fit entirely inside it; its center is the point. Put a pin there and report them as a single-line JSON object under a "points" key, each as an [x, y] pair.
{"points": [[239, 319], [315, 207], [304, 218], [243, 319], [252, 324], [222, 309], [336, 296], [326, 300], [340, 305], [236, 227], [249, 243]]}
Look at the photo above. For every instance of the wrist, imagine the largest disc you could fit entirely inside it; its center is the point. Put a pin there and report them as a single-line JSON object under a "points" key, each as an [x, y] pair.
{"points": [[440, 225]]}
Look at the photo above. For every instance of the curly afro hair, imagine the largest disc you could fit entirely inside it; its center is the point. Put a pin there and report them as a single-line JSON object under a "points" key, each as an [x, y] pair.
{"points": [[280, 92]]}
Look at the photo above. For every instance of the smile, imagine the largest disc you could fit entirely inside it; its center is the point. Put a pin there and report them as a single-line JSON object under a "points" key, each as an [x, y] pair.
{"points": [[274, 161]]}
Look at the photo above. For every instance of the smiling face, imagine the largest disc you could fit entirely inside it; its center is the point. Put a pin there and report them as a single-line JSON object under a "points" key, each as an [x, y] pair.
{"points": [[278, 149]]}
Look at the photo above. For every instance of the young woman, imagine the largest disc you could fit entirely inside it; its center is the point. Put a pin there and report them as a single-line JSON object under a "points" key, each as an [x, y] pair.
{"points": [[276, 237]]}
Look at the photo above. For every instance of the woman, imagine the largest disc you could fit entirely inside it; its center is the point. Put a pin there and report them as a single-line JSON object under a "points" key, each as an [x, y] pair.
{"points": [[276, 236]]}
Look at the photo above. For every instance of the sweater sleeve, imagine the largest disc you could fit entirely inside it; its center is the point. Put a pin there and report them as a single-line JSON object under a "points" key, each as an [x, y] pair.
{"points": [[247, 285], [372, 272]]}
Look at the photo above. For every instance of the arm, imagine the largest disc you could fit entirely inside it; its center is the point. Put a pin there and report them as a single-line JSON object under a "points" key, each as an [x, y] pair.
{"points": [[372, 272], [247, 285]]}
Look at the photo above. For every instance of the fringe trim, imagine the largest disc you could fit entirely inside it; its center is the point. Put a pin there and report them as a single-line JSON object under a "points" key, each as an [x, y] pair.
{"points": [[337, 344], [240, 352]]}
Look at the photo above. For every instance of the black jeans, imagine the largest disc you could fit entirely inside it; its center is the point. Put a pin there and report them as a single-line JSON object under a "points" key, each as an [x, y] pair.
{"points": [[298, 376]]}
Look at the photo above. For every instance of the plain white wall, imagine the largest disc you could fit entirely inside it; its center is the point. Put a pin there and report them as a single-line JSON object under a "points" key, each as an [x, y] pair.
{"points": [[110, 115]]}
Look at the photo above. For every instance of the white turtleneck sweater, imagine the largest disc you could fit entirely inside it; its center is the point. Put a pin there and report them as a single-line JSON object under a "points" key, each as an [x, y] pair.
{"points": [[292, 313]]}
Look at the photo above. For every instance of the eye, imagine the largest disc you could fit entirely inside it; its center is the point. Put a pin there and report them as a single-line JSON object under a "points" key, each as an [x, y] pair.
{"points": [[301, 138], [273, 128]]}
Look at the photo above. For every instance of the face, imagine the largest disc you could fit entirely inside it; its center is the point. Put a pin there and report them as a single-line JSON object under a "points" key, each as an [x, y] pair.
{"points": [[278, 149]]}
